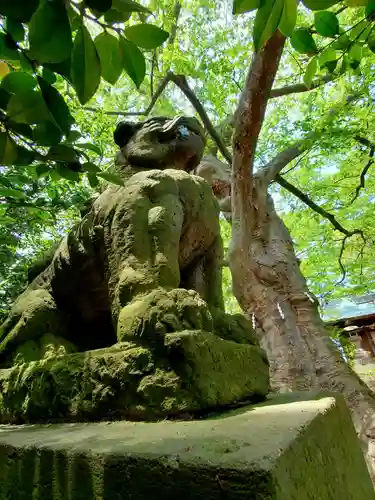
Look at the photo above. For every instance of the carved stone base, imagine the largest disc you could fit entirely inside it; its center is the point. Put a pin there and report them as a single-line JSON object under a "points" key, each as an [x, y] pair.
{"points": [[279, 451]]}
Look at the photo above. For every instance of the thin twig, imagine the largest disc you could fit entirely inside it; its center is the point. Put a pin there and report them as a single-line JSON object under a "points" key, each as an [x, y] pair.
{"points": [[362, 177]]}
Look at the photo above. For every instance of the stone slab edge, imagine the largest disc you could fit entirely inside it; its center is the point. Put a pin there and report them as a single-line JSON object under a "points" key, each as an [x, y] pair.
{"points": [[305, 450]]}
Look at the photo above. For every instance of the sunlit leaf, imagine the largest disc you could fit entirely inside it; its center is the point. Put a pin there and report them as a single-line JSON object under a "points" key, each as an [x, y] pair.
{"points": [[110, 56], [326, 23], [320, 4], [241, 6], [147, 36], [56, 105], [85, 66], [310, 72], [133, 61], [18, 82], [267, 20], [302, 41], [288, 18], [28, 107]]}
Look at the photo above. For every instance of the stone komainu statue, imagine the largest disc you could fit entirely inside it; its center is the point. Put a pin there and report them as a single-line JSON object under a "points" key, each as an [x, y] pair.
{"points": [[128, 318]]}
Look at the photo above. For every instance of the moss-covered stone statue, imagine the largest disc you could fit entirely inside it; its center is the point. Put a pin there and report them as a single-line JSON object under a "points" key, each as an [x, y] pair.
{"points": [[127, 320]]}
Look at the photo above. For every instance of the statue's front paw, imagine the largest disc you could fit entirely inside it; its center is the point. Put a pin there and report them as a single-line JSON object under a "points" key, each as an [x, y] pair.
{"points": [[160, 312]]}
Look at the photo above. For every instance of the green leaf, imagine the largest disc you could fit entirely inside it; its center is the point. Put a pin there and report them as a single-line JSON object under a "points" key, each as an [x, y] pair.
{"points": [[342, 43], [311, 70], [319, 4], [266, 22], [303, 42], [129, 6], [99, 5], [288, 18], [371, 44], [370, 10], [48, 76], [24, 156], [147, 36], [67, 173], [90, 147], [50, 34], [114, 16], [328, 55], [241, 6], [110, 57], [8, 149], [47, 134], [133, 61], [93, 180], [28, 107], [25, 63], [355, 52], [326, 23], [85, 66], [115, 179], [8, 49], [90, 167], [56, 105], [18, 82], [15, 29], [20, 10], [62, 153]]}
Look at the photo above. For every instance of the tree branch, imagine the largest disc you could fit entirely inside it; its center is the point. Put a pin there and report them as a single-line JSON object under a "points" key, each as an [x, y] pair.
{"points": [[249, 118], [310, 203], [362, 177], [300, 87]]}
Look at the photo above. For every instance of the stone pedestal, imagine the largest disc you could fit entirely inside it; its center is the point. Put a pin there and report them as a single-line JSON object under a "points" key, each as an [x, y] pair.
{"points": [[286, 449]]}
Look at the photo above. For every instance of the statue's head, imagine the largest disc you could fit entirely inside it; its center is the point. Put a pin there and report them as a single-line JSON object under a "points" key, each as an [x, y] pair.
{"points": [[161, 143]]}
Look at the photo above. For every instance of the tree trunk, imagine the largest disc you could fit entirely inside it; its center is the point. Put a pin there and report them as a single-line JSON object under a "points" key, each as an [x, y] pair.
{"points": [[273, 289]]}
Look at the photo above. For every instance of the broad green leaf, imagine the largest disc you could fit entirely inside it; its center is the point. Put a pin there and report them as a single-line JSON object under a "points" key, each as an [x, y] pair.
{"points": [[241, 6], [90, 147], [328, 55], [326, 23], [8, 49], [303, 42], [56, 105], [115, 16], [50, 34], [320, 4], [371, 44], [20, 10], [47, 134], [48, 76], [15, 29], [129, 6], [90, 167], [311, 70], [99, 5], [4, 69], [85, 66], [25, 63], [8, 149], [93, 180], [355, 52], [267, 20], [28, 107], [355, 3], [147, 36], [342, 42], [288, 18], [67, 173], [62, 153], [110, 56], [18, 82], [133, 61], [361, 31], [115, 179]]}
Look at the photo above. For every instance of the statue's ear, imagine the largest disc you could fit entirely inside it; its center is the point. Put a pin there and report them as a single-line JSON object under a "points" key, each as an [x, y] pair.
{"points": [[123, 133]]}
